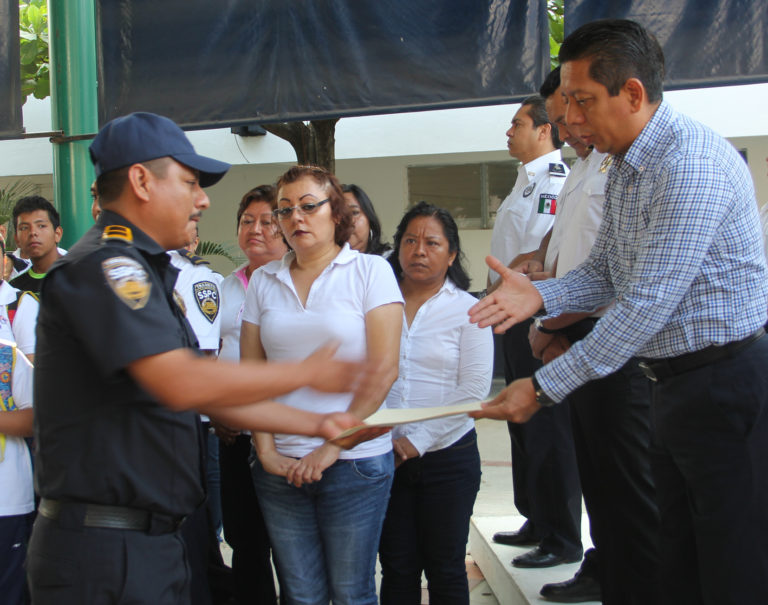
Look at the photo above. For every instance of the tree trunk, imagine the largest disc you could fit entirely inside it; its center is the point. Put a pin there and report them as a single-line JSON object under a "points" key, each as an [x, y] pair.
{"points": [[314, 142]]}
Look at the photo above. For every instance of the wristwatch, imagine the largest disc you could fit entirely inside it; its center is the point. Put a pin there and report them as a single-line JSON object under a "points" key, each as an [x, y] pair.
{"points": [[539, 325], [542, 398]]}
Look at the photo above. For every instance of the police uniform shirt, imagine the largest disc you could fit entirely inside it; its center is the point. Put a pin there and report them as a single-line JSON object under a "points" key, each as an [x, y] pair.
{"points": [[199, 287], [579, 213], [101, 437], [528, 212]]}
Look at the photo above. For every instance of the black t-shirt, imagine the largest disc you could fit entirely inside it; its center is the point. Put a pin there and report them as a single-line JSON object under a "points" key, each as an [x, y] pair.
{"points": [[101, 438], [28, 282]]}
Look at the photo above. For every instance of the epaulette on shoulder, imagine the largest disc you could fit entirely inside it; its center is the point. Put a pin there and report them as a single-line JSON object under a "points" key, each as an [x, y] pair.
{"points": [[556, 169], [117, 233], [195, 260]]}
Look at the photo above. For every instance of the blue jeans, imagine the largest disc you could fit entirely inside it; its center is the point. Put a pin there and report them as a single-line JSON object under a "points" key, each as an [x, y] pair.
{"points": [[325, 535], [427, 524]]}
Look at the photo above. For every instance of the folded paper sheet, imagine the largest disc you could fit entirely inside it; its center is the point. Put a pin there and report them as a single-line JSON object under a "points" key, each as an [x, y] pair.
{"points": [[395, 416]]}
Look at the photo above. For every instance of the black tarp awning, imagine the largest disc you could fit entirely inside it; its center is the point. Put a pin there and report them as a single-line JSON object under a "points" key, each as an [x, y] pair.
{"points": [[10, 69], [706, 42], [208, 63], [228, 62]]}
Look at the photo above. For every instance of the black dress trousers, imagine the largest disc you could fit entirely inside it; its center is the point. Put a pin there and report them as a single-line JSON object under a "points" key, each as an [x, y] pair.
{"points": [[545, 477]]}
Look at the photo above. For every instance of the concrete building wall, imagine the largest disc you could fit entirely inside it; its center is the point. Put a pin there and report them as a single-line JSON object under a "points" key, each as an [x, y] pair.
{"points": [[376, 151]]}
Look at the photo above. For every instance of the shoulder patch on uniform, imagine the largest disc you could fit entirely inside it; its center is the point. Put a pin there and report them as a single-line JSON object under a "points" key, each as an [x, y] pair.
{"points": [[195, 260], [529, 189], [120, 232], [556, 169], [207, 299], [547, 203], [128, 280]]}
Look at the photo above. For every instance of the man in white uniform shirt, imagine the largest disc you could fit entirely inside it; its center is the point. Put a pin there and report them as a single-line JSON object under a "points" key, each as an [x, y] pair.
{"points": [[198, 286], [544, 473]]}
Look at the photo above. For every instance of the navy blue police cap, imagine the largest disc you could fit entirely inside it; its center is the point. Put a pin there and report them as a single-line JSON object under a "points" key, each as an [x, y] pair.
{"points": [[142, 136]]}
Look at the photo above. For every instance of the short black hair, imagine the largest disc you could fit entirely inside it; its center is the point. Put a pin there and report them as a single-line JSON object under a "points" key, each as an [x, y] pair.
{"points": [[620, 49], [551, 83], [538, 114], [109, 185], [375, 245], [31, 203], [456, 271]]}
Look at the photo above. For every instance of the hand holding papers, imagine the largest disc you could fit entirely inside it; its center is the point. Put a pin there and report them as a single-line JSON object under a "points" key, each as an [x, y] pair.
{"points": [[385, 419]]}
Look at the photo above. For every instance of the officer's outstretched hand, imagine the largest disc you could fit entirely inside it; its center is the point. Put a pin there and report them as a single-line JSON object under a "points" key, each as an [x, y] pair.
{"points": [[514, 300], [516, 403], [333, 425], [324, 373]]}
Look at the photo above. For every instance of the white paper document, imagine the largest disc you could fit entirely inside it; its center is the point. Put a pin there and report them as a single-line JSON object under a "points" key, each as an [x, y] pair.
{"points": [[395, 416]]}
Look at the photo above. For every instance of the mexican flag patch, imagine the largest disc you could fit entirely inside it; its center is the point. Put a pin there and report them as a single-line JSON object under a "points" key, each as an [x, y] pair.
{"points": [[547, 203]]}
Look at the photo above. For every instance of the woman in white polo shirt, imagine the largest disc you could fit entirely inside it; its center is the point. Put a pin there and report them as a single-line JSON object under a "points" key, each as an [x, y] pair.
{"points": [[324, 506], [444, 360], [244, 529]]}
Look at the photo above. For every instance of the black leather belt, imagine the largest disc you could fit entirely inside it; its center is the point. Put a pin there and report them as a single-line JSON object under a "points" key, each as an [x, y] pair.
{"points": [[659, 369], [109, 517]]}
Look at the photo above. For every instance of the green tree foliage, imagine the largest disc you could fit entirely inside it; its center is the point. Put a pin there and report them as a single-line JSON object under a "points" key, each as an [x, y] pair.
{"points": [[33, 31], [9, 195], [555, 14], [208, 248]]}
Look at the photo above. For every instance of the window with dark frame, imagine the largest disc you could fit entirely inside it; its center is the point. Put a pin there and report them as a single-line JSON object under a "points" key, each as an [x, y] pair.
{"points": [[472, 193]]}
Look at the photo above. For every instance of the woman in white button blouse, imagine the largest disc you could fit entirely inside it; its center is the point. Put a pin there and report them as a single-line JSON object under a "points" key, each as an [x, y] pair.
{"points": [[443, 360]]}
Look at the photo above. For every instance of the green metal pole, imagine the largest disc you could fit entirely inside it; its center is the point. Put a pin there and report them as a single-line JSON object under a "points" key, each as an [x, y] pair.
{"points": [[73, 110]]}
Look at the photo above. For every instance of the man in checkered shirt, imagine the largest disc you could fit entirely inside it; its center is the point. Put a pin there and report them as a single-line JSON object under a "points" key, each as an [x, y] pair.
{"points": [[680, 250]]}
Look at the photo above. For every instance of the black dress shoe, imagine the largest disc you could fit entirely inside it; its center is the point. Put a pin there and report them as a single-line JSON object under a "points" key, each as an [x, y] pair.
{"points": [[578, 589], [541, 558], [522, 537]]}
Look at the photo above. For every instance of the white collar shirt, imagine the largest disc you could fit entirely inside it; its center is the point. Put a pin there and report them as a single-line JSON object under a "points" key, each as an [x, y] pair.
{"points": [[444, 360], [232, 299], [339, 299], [579, 213], [528, 212], [198, 286], [22, 329]]}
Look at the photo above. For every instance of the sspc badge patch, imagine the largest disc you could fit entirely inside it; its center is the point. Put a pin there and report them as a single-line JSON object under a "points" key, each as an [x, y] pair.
{"points": [[128, 280], [207, 298]]}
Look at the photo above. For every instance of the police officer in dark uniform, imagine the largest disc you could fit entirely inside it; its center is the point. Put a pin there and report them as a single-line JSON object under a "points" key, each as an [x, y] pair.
{"points": [[117, 376]]}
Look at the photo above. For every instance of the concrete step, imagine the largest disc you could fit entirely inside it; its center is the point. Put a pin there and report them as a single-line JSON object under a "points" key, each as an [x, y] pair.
{"points": [[510, 585]]}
